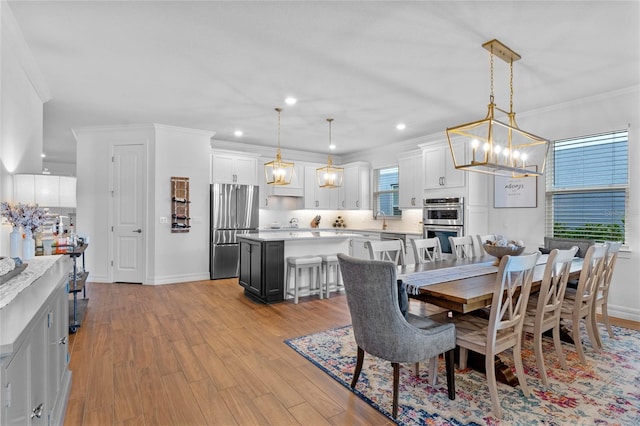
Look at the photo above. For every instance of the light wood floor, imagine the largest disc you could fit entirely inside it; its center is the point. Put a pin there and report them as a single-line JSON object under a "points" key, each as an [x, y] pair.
{"points": [[201, 353]]}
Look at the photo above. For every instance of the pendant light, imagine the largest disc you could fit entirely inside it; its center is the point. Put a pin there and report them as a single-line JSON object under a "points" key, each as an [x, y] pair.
{"points": [[330, 176], [495, 146], [278, 172]]}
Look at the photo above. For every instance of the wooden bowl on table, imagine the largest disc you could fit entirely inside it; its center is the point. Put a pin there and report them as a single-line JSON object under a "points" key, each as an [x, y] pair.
{"points": [[499, 251]]}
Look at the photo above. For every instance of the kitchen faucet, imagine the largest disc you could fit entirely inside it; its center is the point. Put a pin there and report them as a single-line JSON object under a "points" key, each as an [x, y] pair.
{"points": [[384, 219]]}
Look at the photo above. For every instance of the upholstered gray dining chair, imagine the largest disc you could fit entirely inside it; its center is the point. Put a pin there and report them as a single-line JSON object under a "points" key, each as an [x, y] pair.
{"points": [[380, 329]]}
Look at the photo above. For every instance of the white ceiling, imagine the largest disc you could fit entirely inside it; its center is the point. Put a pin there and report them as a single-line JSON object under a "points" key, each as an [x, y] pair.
{"points": [[221, 66]]}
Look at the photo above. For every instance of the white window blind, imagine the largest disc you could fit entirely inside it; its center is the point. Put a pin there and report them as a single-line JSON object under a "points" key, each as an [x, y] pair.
{"points": [[587, 187], [386, 192]]}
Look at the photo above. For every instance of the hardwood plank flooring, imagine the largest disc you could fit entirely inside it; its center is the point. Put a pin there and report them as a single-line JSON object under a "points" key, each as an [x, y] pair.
{"points": [[201, 353]]}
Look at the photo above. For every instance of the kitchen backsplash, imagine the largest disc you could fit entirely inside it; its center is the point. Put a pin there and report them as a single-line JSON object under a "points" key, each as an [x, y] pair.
{"points": [[355, 219]]}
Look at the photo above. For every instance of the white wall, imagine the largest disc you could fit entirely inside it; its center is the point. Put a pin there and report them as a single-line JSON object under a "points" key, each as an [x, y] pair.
{"points": [[22, 93], [177, 257]]}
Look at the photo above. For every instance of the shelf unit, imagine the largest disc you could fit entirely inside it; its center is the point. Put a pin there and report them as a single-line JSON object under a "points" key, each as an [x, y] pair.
{"points": [[76, 281], [180, 220]]}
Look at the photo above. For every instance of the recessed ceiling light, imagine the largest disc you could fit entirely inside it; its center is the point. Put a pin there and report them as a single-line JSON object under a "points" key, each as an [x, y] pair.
{"points": [[238, 133], [43, 155], [401, 126], [332, 147], [290, 100]]}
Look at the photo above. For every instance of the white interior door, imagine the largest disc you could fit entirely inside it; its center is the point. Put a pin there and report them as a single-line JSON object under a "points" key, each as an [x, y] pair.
{"points": [[128, 213]]}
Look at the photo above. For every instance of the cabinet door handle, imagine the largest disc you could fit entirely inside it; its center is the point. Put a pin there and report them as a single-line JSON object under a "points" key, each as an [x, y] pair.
{"points": [[413, 201], [317, 203], [139, 231], [358, 204], [63, 341], [235, 178], [37, 412]]}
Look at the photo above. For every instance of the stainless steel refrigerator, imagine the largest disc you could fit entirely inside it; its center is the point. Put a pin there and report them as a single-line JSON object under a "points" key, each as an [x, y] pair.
{"points": [[234, 210]]}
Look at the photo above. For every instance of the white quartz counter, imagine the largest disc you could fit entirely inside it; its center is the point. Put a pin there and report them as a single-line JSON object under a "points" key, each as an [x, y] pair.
{"points": [[297, 235]]}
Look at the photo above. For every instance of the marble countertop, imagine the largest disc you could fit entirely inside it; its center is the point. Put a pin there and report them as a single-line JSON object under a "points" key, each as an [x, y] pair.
{"points": [[343, 230], [297, 234]]}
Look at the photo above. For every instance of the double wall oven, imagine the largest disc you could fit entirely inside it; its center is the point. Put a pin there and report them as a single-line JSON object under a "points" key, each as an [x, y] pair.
{"points": [[443, 218]]}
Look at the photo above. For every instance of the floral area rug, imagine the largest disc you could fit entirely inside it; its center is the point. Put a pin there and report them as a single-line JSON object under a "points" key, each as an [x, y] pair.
{"points": [[604, 392]]}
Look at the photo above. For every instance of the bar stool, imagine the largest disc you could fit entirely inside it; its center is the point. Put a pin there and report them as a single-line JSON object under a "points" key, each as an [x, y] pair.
{"points": [[331, 269], [295, 265]]}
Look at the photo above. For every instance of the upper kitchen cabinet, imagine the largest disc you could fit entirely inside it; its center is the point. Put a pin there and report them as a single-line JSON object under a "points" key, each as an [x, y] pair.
{"points": [[234, 167], [316, 197], [410, 180], [439, 171], [355, 192]]}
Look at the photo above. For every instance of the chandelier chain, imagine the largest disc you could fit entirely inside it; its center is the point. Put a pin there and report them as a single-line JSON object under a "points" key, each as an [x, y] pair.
{"points": [[279, 110], [491, 73], [511, 86]]}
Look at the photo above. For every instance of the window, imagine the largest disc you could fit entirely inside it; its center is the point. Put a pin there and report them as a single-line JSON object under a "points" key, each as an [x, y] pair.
{"points": [[386, 192], [587, 187]]}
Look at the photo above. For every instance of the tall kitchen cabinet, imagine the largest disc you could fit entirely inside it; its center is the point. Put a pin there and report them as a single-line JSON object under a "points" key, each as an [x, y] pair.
{"points": [[262, 269], [410, 180], [355, 191], [439, 170], [234, 167]]}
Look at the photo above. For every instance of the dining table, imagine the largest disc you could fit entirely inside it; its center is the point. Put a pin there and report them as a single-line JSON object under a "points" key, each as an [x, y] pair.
{"points": [[464, 286]]}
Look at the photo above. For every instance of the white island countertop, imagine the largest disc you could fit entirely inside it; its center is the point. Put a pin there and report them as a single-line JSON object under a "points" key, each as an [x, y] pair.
{"points": [[295, 235]]}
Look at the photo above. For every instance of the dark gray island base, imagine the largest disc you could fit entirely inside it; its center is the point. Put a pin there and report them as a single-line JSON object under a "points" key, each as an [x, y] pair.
{"points": [[262, 270]]}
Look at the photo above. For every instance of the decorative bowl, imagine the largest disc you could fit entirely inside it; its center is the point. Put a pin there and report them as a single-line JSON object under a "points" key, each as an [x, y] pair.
{"points": [[498, 251]]}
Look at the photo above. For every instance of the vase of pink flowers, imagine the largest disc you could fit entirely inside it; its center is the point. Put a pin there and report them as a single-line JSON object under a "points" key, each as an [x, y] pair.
{"points": [[28, 216]]}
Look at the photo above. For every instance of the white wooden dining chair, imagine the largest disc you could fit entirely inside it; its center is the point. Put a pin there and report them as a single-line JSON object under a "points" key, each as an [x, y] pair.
{"points": [[482, 240], [463, 247], [601, 296], [391, 250], [426, 250], [543, 309], [503, 329], [577, 303]]}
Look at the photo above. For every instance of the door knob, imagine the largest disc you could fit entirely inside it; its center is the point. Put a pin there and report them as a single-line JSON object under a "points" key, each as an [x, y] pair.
{"points": [[139, 231]]}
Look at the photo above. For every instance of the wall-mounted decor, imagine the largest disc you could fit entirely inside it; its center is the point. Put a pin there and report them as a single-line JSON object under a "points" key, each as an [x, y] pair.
{"points": [[180, 220], [515, 192]]}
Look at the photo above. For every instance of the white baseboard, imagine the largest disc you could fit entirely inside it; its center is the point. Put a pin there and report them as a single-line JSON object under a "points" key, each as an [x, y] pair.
{"points": [[624, 312], [175, 279]]}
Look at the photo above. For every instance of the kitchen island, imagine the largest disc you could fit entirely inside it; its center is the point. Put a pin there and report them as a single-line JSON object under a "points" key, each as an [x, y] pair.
{"points": [[263, 255]]}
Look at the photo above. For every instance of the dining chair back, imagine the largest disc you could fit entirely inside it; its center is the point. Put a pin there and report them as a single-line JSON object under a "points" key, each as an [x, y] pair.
{"points": [[381, 330], [463, 247], [543, 310], [503, 329], [577, 303], [426, 250], [601, 296], [391, 250], [482, 240]]}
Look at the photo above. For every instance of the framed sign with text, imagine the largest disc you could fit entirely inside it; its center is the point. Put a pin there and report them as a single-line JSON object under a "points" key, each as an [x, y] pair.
{"points": [[515, 192]]}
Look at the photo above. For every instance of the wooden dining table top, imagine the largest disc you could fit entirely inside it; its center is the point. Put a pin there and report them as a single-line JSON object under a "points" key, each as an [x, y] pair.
{"points": [[466, 294]]}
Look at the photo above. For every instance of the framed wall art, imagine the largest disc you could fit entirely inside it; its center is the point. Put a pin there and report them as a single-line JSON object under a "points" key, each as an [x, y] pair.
{"points": [[511, 192]]}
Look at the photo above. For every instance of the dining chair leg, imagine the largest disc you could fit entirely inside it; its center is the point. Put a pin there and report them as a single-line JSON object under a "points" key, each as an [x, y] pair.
{"points": [[517, 359], [558, 344], [490, 372], [594, 327], [592, 332], [537, 346], [396, 379], [462, 361], [577, 342], [433, 371], [416, 369], [605, 319], [451, 377], [356, 372]]}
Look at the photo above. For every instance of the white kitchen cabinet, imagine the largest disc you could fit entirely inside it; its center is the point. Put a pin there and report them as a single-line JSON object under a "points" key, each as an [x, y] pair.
{"points": [[316, 197], [34, 374], [410, 180], [355, 192], [231, 167], [357, 247], [439, 171]]}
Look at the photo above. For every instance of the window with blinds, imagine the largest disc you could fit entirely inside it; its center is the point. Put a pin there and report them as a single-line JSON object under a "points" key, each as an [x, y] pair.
{"points": [[386, 192], [587, 187]]}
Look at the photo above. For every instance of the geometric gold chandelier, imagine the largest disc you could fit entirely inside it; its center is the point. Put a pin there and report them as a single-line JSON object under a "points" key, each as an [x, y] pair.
{"points": [[330, 176], [498, 146], [278, 172]]}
